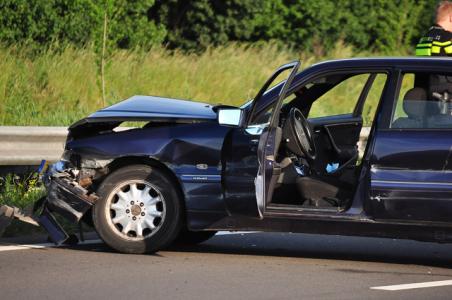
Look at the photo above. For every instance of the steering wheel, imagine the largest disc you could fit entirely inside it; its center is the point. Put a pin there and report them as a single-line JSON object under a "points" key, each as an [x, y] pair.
{"points": [[302, 133]]}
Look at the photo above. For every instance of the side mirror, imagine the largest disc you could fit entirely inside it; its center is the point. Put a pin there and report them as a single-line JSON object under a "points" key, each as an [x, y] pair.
{"points": [[230, 116]]}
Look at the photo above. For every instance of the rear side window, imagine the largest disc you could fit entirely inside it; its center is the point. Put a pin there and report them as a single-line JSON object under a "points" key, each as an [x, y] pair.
{"points": [[423, 102], [373, 98]]}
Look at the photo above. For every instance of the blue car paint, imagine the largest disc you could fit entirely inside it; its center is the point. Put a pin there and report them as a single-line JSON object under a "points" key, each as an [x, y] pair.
{"points": [[218, 198], [411, 176], [179, 151]]}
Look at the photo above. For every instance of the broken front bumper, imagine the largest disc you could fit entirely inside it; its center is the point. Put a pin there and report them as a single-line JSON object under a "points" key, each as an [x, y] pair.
{"points": [[65, 197]]}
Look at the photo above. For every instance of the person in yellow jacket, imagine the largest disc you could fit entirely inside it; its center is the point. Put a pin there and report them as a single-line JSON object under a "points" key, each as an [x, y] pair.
{"points": [[438, 40]]}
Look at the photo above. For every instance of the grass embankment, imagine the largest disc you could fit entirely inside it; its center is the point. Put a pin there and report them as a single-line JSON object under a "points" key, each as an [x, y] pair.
{"points": [[60, 87]]}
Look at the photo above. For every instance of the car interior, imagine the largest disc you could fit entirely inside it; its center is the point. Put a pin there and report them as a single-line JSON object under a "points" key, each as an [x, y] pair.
{"points": [[318, 156], [426, 102]]}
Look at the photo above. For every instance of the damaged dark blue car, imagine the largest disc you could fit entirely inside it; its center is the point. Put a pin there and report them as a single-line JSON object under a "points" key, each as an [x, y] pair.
{"points": [[281, 162]]}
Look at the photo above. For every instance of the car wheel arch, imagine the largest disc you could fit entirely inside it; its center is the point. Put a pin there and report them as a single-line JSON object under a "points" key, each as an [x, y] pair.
{"points": [[152, 162]]}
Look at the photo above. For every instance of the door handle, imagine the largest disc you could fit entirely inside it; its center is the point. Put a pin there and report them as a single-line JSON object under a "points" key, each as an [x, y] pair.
{"points": [[254, 142]]}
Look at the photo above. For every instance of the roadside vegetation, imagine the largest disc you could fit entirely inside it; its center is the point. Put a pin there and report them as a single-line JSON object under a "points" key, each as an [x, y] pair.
{"points": [[57, 88], [20, 191], [61, 60]]}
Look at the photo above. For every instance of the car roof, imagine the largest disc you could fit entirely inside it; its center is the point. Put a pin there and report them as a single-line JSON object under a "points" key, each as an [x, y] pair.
{"points": [[425, 63], [406, 61]]}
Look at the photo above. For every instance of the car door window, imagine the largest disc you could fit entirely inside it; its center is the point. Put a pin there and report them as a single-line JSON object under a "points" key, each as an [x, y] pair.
{"points": [[423, 102], [341, 99], [373, 98]]}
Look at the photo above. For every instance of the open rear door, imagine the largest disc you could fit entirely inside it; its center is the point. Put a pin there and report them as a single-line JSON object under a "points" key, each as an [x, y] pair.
{"points": [[270, 140]]}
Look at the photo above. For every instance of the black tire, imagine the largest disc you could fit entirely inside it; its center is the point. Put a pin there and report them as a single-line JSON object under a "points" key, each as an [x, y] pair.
{"points": [[168, 227], [186, 237]]}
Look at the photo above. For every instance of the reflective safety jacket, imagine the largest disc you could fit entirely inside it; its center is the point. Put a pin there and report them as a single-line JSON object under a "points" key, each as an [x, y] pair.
{"points": [[437, 42]]}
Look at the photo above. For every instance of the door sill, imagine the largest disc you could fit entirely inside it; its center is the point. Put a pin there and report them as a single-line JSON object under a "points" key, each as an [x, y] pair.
{"points": [[292, 207], [288, 210]]}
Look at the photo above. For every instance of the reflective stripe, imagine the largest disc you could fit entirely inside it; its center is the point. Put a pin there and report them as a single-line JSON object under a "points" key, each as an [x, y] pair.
{"points": [[436, 50], [423, 52], [448, 50], [442, 44], [423, 45], [428, 47], [425, 39]]}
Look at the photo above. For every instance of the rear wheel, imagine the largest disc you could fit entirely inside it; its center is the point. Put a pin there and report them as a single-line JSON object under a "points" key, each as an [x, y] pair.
{"points": [[138, 210]]}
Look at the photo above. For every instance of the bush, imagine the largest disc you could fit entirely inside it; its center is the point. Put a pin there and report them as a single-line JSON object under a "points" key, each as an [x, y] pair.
{"points": [[78, 22], [377, 25]]}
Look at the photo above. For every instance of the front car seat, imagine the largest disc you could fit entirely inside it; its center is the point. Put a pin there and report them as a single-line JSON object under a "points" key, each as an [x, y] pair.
{"points": [[414, 105], [323, 192]]}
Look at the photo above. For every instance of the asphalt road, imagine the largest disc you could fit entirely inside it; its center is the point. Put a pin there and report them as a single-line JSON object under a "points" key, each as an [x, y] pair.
{"points": [[239, 266]]}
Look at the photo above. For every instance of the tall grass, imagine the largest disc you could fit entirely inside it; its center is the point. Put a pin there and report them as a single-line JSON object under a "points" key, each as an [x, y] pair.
{"points": [[58, 88]]}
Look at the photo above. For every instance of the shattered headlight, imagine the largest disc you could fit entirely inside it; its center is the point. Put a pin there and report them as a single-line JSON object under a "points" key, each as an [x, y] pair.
{"points": [[66, 155], [72, 159], [58, 167]]}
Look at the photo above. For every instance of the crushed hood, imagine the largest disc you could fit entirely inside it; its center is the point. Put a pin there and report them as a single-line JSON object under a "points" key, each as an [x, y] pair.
{"points": [[149, 107], [146, 108]]}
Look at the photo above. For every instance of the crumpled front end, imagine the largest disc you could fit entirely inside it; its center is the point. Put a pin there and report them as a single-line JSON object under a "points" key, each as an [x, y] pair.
{"points": [[67, 192], [68, 195]]}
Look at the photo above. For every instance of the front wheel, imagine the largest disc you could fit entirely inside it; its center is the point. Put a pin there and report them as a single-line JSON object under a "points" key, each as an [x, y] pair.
{"points": [[138, 211]]}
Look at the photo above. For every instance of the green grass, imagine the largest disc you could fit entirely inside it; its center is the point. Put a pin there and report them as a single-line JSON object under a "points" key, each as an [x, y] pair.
{"points": [[20, 191], [58, 88]]}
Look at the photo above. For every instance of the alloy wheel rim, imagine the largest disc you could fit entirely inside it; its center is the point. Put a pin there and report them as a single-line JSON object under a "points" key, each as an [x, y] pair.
{"points": [[136, 209]]}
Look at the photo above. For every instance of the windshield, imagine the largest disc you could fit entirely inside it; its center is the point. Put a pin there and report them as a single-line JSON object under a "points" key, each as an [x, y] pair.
{"points": [[279, 89], [273, 87]]}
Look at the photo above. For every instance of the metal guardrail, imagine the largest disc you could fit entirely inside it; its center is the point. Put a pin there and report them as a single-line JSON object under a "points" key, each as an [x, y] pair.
{"points": [[27, 146]]}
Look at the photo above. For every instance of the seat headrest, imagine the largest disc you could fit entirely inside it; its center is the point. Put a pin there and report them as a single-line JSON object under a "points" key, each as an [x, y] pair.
{"points": [[414, 102]]}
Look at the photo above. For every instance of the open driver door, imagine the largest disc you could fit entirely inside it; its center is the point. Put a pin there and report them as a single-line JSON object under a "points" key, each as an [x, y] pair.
{"points": [[270, 139]]}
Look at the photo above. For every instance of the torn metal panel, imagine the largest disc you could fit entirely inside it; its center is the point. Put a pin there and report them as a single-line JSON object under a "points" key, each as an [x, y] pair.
{"points": [[4, 222], [16, 213], [65, 196], [69, 199], [8, 213], [93, 163], [53, 228]]}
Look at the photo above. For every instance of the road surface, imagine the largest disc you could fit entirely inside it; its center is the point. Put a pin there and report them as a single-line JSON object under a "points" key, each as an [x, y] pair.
{"points": [[233, 266]]}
